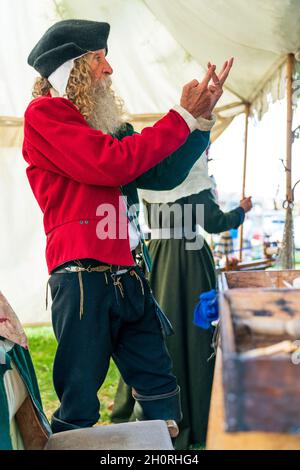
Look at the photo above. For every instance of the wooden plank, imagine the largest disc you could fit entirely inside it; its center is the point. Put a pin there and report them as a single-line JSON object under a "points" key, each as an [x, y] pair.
{"points": [[218, 439], [227, 326], [249, 279], [280, 302]]}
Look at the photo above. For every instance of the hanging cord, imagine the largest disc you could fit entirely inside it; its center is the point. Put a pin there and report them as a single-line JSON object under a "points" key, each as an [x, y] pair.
{"points": [[216, 340], [117, 283], [80, 280], [296, 134], [81, 294], [287, 252], [120, 286], [294, 187], [47, 286], [286, 203], [135, 274]]}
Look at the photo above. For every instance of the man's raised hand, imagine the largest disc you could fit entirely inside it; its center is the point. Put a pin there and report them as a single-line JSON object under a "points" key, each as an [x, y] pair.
{"points": [[216, 89], [193, 97], [199, 99]]}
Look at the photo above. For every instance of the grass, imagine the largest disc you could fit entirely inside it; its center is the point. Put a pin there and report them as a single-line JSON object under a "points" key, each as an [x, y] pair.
{"points": [[43, 345], [297, 259]]}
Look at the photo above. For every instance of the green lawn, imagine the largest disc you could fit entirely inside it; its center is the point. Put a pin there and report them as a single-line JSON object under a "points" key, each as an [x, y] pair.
{"points": [[42, 345], [297, 258]]}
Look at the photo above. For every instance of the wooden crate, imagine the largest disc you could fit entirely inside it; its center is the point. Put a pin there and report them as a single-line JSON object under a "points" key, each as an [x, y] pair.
{"points": [[218, 439], [261, 393]]}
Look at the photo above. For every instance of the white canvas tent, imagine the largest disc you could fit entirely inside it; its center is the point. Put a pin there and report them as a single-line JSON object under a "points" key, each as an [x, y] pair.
{"points": [[155, 47]]}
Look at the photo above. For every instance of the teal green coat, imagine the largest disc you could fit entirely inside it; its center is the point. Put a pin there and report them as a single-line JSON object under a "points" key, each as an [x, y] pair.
{"points": [[170, 172]]}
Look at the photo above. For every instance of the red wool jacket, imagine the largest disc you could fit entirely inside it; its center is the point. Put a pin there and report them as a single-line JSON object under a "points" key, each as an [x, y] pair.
{"points": [[73, 168]]}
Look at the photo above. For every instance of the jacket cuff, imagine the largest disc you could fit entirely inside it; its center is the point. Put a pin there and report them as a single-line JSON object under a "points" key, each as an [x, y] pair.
{"points": [[206, 124], [200, 123], [189, 119]]}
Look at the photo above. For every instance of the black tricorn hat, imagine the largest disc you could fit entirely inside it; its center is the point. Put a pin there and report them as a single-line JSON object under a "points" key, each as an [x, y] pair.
{"points": [[66, 40]]}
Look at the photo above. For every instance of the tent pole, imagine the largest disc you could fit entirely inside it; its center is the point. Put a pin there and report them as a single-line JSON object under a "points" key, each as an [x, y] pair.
{"points": [[290, 67], [287, 251], [247, 113]]}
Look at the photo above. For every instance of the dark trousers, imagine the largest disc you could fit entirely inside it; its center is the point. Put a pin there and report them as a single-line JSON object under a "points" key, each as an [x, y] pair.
{"points": [[120, 321]]}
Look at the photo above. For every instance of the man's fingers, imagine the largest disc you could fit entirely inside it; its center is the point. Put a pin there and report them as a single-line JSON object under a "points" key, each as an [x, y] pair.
{"points": [[224, 74], [208, 76], [214, 76], [191, 84], [223, 68], [219, 79], [215, 79]]}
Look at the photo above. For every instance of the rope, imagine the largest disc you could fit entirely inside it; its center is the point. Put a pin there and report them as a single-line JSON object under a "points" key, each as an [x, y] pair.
{"points": [[287, 251], [81, 294]]}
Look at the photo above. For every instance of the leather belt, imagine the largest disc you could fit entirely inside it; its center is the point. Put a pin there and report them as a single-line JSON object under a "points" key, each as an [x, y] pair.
{"points": [[89, 265], [114, 271], [89, 269]]}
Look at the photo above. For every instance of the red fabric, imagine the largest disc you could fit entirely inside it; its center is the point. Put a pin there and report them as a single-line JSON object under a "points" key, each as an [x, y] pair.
{"points": [[74, 168]]}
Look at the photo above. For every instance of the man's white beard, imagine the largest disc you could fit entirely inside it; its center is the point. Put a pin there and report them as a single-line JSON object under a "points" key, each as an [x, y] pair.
{"points": [[108, 115]]}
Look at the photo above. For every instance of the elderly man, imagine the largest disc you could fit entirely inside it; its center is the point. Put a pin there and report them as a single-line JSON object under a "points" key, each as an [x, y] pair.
{"points": [[84, 164]]}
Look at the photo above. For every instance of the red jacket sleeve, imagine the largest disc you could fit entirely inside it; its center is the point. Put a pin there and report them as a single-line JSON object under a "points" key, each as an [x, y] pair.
{"points": [[57, 138]]}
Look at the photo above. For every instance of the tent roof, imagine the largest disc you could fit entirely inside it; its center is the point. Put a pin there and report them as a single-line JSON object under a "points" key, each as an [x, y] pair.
{"points": [[156, 46], [259, 34]]}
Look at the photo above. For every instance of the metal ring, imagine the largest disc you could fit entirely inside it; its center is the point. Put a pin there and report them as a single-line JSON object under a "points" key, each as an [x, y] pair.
{"points": [[288, 204]]}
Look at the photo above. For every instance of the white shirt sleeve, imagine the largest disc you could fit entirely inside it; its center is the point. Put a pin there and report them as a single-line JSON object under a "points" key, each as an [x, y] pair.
{"points": [[200, 123]]}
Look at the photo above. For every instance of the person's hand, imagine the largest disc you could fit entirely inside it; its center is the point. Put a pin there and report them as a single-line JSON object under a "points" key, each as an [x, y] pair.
{"points": [[201, 98], [246, 204], [194, 97], [215, 91]]}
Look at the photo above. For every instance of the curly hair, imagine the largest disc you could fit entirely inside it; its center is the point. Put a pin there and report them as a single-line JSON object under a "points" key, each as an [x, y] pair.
{"points": [[78, 89]]}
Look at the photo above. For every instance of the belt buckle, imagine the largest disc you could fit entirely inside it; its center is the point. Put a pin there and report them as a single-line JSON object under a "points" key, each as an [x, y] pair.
{"points": [[73, 269]]}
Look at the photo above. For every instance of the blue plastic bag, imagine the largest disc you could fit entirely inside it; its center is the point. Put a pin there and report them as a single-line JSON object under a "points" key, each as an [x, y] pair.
{"points": [[207, 309]]}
